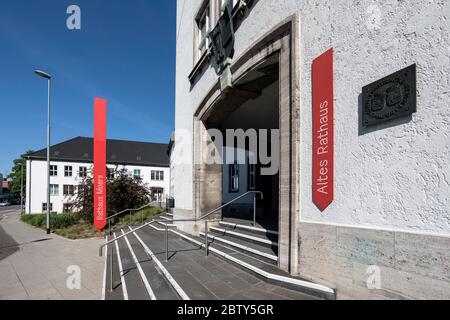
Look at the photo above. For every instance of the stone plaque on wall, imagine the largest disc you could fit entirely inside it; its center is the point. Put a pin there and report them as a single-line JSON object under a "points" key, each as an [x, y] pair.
{"points": [[391, 97]]}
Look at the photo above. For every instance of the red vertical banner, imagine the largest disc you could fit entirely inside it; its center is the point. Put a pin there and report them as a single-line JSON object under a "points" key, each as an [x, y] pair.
{"points": [[100, 163], [323, 130]]}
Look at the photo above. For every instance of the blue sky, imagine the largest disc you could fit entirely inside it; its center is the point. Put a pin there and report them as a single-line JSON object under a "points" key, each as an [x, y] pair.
{"points": [[124, 52]]}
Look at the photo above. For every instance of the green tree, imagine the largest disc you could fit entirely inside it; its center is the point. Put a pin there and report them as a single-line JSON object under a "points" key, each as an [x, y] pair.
{"points": [[122, 192], [15, 176]]}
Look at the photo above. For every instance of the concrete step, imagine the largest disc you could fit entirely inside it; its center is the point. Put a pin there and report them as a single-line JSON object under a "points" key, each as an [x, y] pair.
{"points": [[164, 224], [179, 263], [189, 273], [156, 279], [257, 230], [210, 277], [269, 240], [130, 276], [255, 250], [267, 272]]}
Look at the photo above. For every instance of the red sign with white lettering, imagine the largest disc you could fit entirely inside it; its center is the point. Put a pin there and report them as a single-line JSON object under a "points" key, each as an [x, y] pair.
{"points": [[100, 163], [323, 130]]}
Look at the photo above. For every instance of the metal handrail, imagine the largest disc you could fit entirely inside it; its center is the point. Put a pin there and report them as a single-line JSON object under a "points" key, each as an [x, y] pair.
{"points": [[100, 249], [230, 202], [181, 220]]}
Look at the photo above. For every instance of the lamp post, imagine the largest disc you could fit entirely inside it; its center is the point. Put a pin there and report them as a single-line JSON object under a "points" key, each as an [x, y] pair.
{"points": [[48, 77]]}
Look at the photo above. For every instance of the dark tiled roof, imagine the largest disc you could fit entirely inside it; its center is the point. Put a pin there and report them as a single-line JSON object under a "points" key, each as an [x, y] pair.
{"points": [[80, 149]]}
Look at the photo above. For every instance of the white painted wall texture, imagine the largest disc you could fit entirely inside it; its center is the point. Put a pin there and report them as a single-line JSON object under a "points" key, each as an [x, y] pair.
{"points": [[396, 177]]}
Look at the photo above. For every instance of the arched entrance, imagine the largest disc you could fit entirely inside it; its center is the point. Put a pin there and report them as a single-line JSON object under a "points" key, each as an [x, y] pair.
{"points": [[264, 95]]}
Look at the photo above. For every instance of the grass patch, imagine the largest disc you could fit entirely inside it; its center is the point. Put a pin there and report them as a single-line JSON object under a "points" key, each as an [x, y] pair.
{"points": [[81, 230], [136, 217], [68, 225]]}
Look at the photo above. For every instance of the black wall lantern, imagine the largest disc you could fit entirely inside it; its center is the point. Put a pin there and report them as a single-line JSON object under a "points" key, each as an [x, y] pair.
{"points": [[389, 98]]}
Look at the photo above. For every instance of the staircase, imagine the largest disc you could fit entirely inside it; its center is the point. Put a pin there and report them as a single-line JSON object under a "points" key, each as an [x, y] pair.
{"points": [[258, 243], [241, 265]]}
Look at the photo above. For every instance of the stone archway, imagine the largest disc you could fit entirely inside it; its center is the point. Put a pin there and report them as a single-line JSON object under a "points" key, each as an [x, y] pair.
{"points": [[280, 44]]}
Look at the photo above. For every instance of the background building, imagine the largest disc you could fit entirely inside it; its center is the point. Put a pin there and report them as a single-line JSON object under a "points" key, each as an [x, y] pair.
{"points": [[5, 185], [72, 160], [390, 216]]}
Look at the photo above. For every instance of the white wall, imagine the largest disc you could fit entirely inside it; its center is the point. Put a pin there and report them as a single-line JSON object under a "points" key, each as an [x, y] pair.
{"points": [[38, 182], [396, 177]]}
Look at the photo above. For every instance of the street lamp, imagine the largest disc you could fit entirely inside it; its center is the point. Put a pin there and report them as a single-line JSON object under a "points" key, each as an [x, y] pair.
{"points": [[48, 77]]}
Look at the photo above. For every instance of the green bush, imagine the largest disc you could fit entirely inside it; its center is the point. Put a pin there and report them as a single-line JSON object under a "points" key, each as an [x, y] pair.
{"points": [[57, 221], [36, 220]]}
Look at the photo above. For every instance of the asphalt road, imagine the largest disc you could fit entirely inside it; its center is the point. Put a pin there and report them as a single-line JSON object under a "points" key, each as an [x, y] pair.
{"points": [[10, 208]]}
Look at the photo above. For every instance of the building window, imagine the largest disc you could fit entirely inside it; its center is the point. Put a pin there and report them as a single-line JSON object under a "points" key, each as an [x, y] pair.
{"points": [[53, 171], [44, 207], [157, 193], [54, 190], [251, 177], [67, 171], [137, 173], [157, 175], [223, 4], [82, 173], [203, 28], [234, 177], [68, 190], [67, 207]]}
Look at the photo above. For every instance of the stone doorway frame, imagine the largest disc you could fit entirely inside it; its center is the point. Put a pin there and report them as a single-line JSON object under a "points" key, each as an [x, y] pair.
{"points": [[283, 41]]}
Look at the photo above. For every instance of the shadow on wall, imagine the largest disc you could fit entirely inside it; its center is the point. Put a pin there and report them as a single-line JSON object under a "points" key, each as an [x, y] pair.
{"points": [[362, 130]]}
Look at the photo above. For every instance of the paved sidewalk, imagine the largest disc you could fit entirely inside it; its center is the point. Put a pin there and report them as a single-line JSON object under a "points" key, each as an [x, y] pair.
{"points": [[34, 265]]}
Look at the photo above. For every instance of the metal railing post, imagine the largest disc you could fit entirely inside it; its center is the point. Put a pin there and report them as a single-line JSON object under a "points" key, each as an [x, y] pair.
{"points": [[254, 209], [109, 226], [167, 243], [111, 269], [206, 237]]}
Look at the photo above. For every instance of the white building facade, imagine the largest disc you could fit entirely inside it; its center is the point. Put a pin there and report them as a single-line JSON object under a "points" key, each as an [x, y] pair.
{"points": [[66, 175], [390, 215]]}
